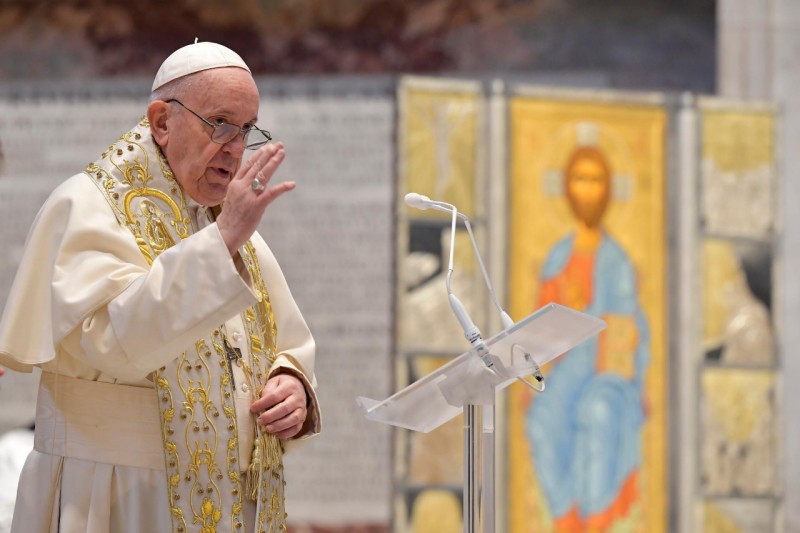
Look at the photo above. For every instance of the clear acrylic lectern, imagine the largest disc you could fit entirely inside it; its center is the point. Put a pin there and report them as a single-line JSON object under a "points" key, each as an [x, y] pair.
{"points": [[468, 384]]}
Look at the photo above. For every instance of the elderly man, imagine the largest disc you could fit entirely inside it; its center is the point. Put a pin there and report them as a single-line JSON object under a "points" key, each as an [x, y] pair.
{"points": [[176, 366]]}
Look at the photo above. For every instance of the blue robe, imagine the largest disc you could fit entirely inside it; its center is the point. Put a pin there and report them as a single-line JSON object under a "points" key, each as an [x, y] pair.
{"points": [[585, 429]]}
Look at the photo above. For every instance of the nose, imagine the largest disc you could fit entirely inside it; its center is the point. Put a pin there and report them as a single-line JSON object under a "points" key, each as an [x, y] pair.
{"points": [[235, 146]]}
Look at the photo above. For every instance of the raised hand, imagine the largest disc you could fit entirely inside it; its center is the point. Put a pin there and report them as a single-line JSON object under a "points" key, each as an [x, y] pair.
{"points": [[249, 194]]}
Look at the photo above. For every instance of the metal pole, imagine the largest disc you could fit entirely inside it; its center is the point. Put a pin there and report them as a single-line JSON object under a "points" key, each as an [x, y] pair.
{"points": [[471, 497], [487, 471]]}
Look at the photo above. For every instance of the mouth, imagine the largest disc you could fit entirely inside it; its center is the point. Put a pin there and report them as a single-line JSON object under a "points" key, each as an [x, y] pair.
{"points": [[222, 172]]}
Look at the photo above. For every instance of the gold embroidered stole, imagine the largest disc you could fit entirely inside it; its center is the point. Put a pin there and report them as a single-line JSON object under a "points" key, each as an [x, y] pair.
{"points": [[196, 390]]}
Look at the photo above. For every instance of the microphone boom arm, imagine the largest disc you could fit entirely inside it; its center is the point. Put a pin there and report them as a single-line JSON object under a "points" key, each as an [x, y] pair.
{"points": [[471, 331]]}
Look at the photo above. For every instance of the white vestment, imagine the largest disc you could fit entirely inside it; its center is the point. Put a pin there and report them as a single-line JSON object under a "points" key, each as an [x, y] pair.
{"points": [[88, 309]]}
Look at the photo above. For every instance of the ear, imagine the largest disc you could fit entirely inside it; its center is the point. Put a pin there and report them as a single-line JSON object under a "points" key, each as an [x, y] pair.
{"points": [[157, 114]]}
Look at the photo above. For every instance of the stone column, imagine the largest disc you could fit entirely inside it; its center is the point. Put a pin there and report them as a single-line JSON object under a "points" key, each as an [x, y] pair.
{"points": [[745, 49], [786, 92]]}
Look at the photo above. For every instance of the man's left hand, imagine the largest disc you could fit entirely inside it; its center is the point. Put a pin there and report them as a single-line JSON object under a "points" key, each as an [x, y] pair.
{"points": [[282, 406]]}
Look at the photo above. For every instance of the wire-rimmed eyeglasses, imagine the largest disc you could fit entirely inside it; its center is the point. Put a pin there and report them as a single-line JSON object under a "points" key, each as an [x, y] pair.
{"points": [[224, 132]]}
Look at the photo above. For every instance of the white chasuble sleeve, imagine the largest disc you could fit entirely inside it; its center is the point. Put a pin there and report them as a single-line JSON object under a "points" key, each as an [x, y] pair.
{"points": [[82, 269], [76, 259], [189, 291]]}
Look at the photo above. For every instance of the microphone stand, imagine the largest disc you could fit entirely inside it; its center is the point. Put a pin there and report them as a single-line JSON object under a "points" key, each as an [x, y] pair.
{"points": [[479, 438], [478, 506]]}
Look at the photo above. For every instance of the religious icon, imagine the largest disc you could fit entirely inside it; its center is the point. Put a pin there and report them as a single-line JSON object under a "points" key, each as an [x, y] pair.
{"points": [[586, 430], [739, 460], [587, 233], [438, 156]]}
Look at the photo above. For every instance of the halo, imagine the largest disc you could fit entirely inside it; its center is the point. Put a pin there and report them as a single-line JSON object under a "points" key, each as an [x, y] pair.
{"points": [[555, 155]]}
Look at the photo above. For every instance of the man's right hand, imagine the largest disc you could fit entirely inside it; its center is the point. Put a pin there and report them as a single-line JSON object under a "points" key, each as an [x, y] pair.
{"points": [[244, 206]]}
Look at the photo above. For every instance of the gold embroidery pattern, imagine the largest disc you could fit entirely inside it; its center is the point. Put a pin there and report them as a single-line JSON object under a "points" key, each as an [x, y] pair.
{"points": [[270, 511], [123, 170], [205, 485]]}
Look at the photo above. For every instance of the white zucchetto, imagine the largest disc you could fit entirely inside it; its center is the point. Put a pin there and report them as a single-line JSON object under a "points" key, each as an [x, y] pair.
{"points": [[196, 57]]}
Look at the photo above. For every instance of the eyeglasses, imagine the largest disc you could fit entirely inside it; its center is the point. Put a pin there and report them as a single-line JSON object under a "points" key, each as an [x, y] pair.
{"points": [[223, 132]]}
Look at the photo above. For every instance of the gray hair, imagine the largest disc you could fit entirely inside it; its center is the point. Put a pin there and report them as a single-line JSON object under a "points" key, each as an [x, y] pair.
{"points": [[177, 88]]}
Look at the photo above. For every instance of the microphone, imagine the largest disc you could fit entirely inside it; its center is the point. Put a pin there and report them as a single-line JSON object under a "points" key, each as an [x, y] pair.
{"points": [[418, 201]]}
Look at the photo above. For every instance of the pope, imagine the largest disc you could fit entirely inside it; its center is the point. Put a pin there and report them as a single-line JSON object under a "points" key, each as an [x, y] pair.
{"points": [[176, 366]]}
